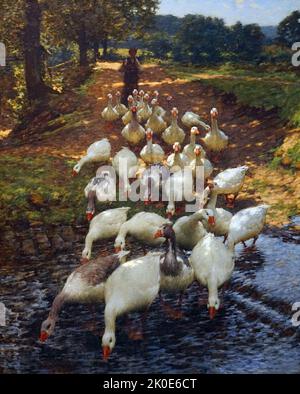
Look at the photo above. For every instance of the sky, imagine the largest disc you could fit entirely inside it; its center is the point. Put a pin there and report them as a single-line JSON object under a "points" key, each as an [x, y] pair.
{"points": [[263, 12]]}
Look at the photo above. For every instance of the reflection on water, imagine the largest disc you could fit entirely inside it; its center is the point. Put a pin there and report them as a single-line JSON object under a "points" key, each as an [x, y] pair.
{"points": [[251, 333]]}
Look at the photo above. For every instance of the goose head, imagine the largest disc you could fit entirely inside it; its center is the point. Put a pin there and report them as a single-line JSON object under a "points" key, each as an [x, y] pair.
{"points": [[86, 255], [213, 306], [108, 343], [76, 170], [170, 211], [213, 186], [110, 97], [90, 213], [119, 244], [174, 113], [198, 151], [177, 147], [154, 102], [149, 134], [47, 329], [166, 231], [130, 100], [209, 217], [214, 113], [195, 131]]}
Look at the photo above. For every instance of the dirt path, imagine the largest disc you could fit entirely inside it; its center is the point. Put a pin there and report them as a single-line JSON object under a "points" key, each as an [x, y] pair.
{"points": [[252, 134]]}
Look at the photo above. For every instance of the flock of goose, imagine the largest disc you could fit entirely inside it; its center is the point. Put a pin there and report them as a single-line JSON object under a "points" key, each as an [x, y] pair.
{"points": [[127, 286]]}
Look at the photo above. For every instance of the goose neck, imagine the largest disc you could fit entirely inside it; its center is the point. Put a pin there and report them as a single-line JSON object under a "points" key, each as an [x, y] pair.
{"points": [[56, 306], [193, 139], [212, 201], [150, 145], [110, 319], [212, 285], [214, 125]]}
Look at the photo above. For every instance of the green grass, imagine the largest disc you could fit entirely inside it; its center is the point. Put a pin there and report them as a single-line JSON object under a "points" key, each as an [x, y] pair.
{"points": [[41, 189], [259, 88]]}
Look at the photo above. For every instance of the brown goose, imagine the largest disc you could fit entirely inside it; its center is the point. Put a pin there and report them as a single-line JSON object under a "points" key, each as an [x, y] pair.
{"points": [[85, 285]]}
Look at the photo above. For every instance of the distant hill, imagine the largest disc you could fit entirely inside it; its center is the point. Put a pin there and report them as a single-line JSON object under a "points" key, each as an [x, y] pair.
{"points": [[269, 31]]}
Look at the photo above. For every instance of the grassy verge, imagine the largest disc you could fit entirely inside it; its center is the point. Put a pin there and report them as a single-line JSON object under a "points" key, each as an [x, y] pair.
{"points": [[263, 87], [40, 190], [259, 88]]}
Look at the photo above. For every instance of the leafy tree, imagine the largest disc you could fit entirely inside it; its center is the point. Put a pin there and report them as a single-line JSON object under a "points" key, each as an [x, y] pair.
{"points": [[159, 44], [202, 39], [245, 41], [289, 29]]}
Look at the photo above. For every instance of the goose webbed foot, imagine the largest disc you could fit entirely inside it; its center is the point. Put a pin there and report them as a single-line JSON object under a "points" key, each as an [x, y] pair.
{"points": [[173, 313], [136, 335]]}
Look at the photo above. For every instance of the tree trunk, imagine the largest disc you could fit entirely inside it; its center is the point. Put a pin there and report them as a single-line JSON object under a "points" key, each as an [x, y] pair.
{"points": [[96, 50], [83, 46], [105, 47], [35, 85]]}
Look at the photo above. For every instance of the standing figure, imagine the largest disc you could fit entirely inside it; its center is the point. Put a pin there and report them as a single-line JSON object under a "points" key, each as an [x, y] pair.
{"points": [[131, 68]]}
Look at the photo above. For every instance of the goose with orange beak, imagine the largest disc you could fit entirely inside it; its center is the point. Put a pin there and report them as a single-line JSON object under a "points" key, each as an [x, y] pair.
{"points": [[213, 265], [131, 287], [141, 226], [98, 152]]}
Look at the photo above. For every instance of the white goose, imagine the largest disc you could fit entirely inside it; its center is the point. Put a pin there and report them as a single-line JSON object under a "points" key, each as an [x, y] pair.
{"points": [[215, 140], [168, 116], [128, 116], [126, 165], [188, 150], [213, 265], [106, 225], [85, 285], [190, 119], [99, 151], [109, 114], [177, 161], [189, 230], [141, 226], [146, 111], [152, 153], [216, 220], [160, 111], [140, 103], [173, 133], [178, 187], [131, 287], [230, 182], [120, 108], [103, 186], [155, 121], [133, 132], [246, 224], [199, 162]]}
